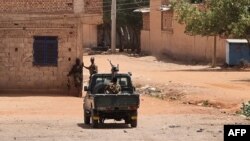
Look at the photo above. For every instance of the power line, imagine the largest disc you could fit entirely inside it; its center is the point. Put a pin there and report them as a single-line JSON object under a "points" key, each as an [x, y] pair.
{"points": [[132, 2], [122, 4], [118, 1]]}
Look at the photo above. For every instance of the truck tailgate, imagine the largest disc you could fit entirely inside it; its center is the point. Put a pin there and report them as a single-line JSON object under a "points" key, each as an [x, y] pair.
{"points": [[113, 101]]}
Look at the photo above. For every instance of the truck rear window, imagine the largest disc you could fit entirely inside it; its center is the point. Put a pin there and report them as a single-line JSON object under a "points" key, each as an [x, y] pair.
{"points": [[124, 82]]}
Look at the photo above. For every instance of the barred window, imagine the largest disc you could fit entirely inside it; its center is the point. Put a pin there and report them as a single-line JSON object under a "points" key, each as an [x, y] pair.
{"points": [[146, 22], [45, 51], [167, 20]]}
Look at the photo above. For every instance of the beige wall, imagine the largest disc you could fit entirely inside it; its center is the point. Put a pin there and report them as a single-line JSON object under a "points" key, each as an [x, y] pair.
{"points": [[145, 41], [89, 35], [174, 42], [74, 28], [155, 26]]}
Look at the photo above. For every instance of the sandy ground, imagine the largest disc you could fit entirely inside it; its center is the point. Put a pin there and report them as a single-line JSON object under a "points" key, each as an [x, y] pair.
{"points": [[54, 117]]}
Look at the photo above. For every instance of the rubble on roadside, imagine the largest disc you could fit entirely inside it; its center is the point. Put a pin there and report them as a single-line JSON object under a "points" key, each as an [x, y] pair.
{"points": [[170, 91]]}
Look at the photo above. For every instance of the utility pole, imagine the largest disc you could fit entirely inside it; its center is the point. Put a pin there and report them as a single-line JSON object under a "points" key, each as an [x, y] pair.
{"points": [[214, 52], [113, 28]]}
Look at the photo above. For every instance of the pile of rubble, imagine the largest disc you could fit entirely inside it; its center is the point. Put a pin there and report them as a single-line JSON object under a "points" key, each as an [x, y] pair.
{"points": [[166, 92]]}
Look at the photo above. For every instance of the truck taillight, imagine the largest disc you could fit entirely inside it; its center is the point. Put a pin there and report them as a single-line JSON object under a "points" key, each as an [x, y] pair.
{"points": [[132, 107]]}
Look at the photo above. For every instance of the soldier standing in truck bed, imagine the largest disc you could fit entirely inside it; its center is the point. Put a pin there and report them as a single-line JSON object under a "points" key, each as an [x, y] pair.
{"points": [[113, 87], [92, 68]]}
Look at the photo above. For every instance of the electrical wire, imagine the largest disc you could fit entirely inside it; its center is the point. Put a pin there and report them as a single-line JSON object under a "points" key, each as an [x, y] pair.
{"points": [[91, 15]]}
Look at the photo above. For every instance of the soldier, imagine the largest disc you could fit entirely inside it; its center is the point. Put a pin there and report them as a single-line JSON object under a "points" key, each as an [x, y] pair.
{"points": [[76, 71], [114, 69], [113, 87], [93, 69]]}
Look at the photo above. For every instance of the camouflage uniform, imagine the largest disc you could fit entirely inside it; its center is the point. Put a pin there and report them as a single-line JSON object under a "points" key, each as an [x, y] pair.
{"points": [[92, 68], [113, 88], [76, 71]]}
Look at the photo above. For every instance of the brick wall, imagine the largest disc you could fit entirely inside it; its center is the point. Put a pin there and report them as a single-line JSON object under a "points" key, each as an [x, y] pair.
{"points": [[146, 22], [165, 2], [16, 56], [36, 6], [78, 6], [93, 6], [21, 20]]}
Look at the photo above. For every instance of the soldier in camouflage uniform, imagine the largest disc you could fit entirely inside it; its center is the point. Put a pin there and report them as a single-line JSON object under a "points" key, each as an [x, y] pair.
{"points": [[76, 71], [93, 69], [113, 87]]}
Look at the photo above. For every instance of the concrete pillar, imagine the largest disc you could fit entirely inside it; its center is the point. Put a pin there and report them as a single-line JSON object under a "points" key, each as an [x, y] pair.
{"points": [[79, 50], [155, 26]]}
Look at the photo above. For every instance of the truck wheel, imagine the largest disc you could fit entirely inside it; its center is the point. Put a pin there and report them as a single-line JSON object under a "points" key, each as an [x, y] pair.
{"points": [[86, 118], [133, 123], [101, 121], [127, 121], [94, 121]]}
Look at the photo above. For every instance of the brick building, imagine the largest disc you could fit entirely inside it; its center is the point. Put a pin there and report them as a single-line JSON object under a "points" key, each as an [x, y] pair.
{"points": [[40, 40]]}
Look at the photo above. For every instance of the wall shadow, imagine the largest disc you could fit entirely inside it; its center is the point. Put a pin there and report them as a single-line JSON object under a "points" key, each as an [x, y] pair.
{"points": [[32, 93]]}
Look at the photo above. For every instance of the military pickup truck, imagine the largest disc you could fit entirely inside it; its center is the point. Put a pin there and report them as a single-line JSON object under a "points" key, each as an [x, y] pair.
{"points": [[99, 106]]}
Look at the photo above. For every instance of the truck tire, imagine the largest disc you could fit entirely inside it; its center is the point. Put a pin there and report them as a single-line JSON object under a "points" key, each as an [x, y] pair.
{"points": [[127, 120], [86, 118], [133, 122], [94, 121]]}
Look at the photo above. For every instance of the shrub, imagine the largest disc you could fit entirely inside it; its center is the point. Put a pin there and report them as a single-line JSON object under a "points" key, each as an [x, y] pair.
{"points": [[245, 109]]}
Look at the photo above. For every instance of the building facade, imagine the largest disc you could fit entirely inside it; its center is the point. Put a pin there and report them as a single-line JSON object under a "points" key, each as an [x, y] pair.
{"points": [[40, 40], [162, 34]]}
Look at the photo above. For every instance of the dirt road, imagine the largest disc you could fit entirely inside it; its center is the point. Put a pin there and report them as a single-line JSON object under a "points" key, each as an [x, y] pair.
{"points": [[48, 117], [226, 88]]}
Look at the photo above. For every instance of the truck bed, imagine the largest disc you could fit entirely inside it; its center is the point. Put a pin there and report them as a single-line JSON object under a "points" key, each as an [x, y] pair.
{"points": [[116, 101]]}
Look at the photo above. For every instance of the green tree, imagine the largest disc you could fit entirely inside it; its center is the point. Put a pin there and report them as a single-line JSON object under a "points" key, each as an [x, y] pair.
{"points": [[226, 18], [129, 23]]}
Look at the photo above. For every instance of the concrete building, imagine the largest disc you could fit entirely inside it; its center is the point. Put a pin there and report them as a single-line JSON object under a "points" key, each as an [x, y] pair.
{"points": [[40, 40], [162, 34]]}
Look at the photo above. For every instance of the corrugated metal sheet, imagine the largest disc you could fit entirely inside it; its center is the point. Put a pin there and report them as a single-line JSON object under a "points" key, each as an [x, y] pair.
{"points": [[236, 51]]}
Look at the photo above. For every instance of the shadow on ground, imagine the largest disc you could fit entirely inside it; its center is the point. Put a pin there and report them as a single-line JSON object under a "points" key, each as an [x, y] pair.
{"points": [[105, 126], [21, 93], [244, 80], [208, 69]]}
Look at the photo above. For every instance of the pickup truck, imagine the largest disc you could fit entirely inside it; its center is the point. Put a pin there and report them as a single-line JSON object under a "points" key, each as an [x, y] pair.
{"points": [[99, 106]]}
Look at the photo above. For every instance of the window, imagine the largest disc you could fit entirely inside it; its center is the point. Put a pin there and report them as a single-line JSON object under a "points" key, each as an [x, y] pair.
{"points": [[167, 21], [99, 83], [45, 51]]}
